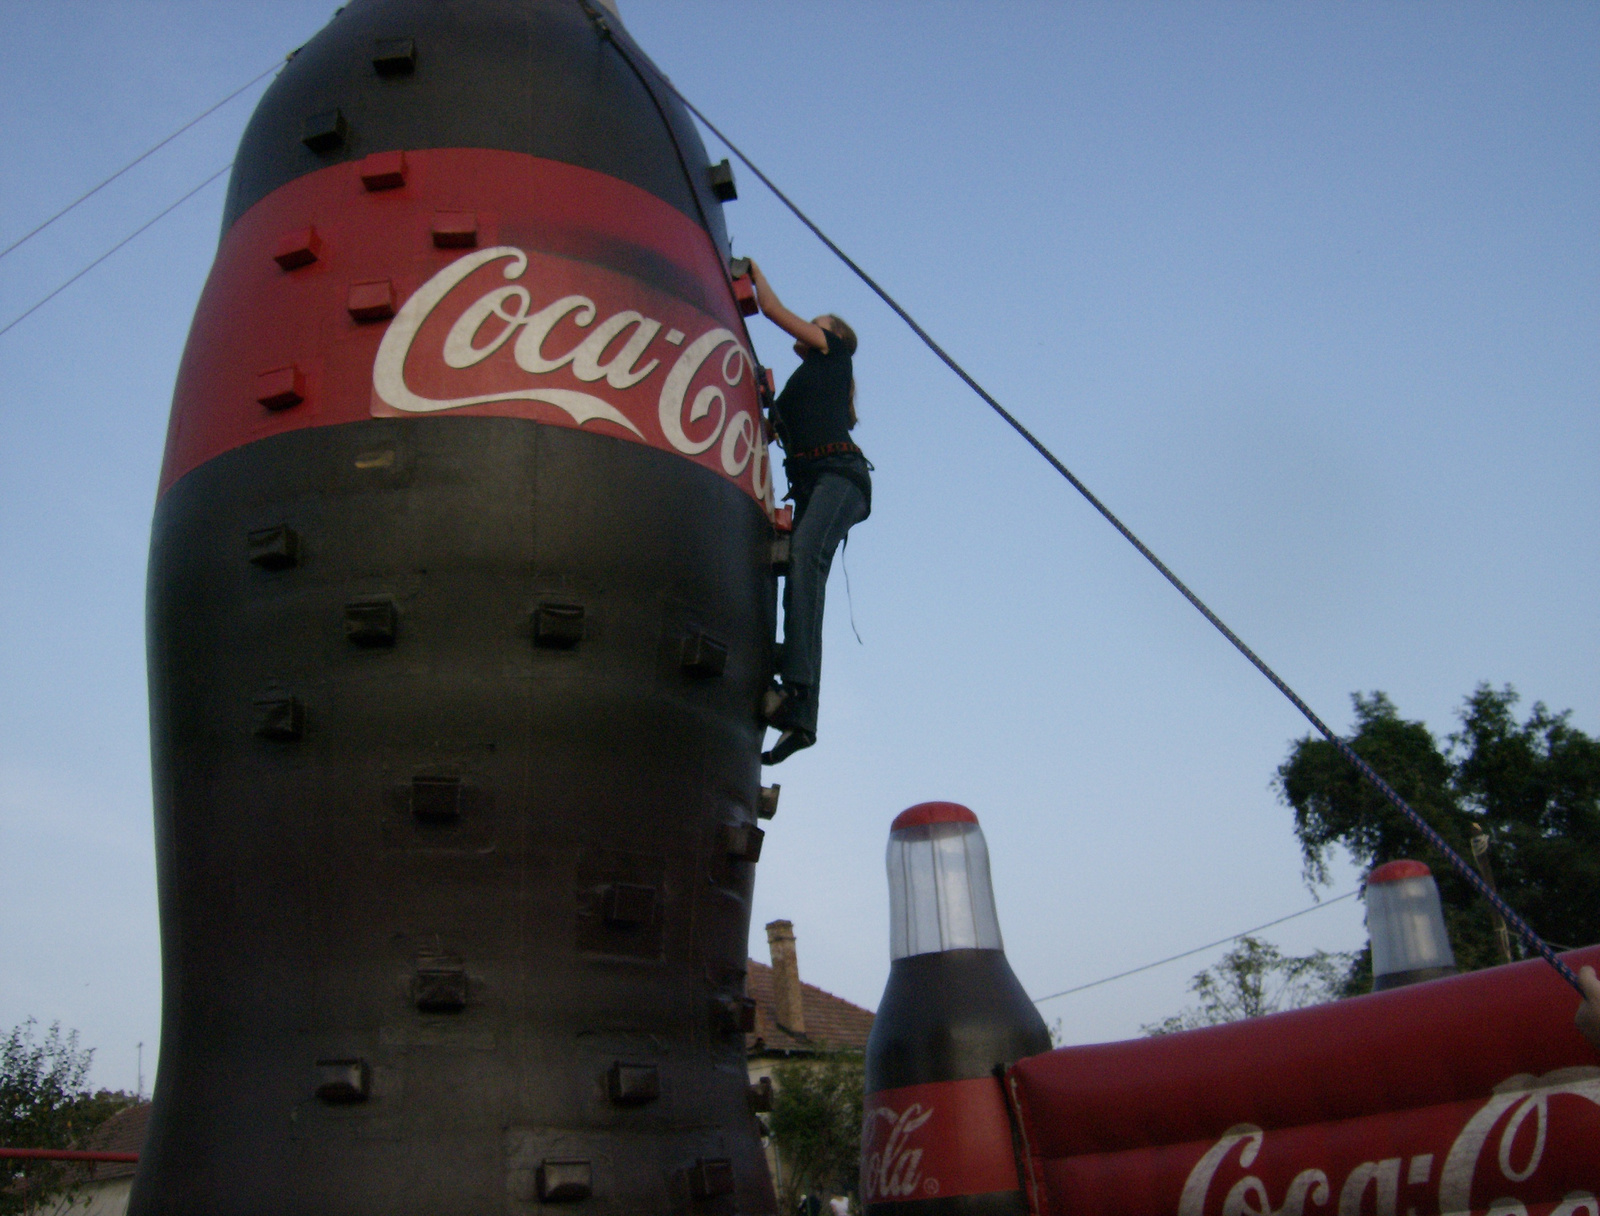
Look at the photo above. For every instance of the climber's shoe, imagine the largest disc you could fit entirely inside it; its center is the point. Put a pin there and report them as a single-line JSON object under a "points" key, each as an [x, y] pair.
{"points": [[783, 705], [788, 744]]}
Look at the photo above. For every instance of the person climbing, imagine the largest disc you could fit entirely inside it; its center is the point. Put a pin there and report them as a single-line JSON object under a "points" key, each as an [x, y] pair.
{"points": [[831, 484]]}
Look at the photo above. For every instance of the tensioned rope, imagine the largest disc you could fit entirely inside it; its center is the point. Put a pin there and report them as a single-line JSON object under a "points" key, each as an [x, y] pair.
{"points": [[1521, 927], [1223, 941], [145, 155]]}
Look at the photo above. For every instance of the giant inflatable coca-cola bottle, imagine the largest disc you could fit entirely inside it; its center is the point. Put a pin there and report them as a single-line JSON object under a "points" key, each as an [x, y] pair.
{"points": [[460, 612], [936, 1140]]}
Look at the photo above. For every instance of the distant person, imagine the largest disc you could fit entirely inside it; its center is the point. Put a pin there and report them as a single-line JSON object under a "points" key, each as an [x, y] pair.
{"points": [[831, 484], [1588, 1018]]}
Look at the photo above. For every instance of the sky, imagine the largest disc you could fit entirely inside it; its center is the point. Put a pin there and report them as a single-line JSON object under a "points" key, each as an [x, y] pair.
{"points": [[1308, 294]]}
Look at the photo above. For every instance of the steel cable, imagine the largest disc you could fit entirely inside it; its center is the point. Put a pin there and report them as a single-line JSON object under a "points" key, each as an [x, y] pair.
{"points": [[1172, 958], [147, 153], [150, 223]]}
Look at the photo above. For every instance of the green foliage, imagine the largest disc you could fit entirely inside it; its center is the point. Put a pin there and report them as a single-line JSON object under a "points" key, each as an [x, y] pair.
{"points": [[1256, 978], [1534, 786], [816, 1126], [44, 1104]]}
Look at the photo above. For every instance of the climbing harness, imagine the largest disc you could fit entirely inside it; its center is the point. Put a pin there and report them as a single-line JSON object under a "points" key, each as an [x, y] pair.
{"points": [[1514, 920], [838, 448]]}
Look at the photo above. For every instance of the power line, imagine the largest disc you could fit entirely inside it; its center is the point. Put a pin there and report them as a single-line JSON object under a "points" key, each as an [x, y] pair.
{"points": [[148, 152], [159, 216], [1523, 929], [1122, 975]]}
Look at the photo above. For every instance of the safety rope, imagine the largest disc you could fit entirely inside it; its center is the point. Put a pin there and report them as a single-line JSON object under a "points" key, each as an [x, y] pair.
{"points": [[1521, 927]]}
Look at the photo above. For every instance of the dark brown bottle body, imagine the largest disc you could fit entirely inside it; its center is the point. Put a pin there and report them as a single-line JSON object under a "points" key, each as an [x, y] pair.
{"points": [[458, 624], [947, 1021]]}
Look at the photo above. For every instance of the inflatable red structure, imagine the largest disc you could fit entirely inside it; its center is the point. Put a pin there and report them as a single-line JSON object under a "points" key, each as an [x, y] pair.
{"points": [[1439, 1097], [1469, 1094]]}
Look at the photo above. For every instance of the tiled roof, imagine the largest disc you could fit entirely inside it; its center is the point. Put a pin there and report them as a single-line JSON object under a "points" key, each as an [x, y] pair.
{"points": [[122, 1133], [831, 1021]]}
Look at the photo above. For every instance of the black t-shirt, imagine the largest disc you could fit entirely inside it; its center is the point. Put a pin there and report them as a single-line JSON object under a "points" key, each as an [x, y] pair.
{"points": [[814, 407]]}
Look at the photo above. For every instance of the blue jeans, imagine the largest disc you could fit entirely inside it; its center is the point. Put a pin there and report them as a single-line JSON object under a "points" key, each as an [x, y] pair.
{"points": [[833, 507]]}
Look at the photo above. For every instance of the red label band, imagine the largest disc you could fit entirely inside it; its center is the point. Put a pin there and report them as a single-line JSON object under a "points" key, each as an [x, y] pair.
{"points": [[589, 304], [935, 1141]]}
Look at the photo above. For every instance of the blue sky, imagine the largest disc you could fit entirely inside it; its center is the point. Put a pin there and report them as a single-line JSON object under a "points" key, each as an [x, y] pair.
{"points": [[1307, 293]]}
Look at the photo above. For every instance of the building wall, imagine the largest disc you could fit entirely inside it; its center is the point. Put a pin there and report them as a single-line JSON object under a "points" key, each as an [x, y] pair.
{"points": [[108, 1198], [762, 1066]]}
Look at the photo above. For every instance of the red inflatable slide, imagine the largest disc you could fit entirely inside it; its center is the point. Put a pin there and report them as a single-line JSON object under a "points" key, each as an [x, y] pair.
{"points": [[1473, 1094]]}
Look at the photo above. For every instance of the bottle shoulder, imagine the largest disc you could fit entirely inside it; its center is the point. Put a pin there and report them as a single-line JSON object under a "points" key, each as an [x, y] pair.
{"points": [[949, 1016]]}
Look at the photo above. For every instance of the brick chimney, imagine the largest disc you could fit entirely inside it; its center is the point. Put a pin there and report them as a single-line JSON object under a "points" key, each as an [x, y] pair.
{"points": [[786, 977]]}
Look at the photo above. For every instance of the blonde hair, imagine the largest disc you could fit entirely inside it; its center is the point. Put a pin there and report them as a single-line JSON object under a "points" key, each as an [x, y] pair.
{"points": [[841, 329]]}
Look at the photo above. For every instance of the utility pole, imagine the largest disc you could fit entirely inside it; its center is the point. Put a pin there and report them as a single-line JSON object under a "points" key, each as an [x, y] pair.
{"points": [[1480, 858], [139, 1092]]}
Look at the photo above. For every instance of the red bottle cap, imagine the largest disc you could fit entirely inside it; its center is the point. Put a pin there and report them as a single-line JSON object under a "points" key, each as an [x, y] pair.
{"points": [[932, 812]]}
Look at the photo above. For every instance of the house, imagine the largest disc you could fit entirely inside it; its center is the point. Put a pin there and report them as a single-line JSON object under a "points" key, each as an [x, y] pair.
{"points": [[793, 1020], [102, 1189]]}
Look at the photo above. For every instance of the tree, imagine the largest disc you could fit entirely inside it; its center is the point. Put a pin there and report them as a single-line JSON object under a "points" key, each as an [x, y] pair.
{"points": [[816, 1126], [1256, 978], [1533, 786], [44, 1103]]}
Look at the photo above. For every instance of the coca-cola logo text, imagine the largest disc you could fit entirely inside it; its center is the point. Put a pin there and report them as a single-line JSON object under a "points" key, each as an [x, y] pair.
{"points": [[936, 1140], [1493, 1163], [894, 1169], [484, 331]]}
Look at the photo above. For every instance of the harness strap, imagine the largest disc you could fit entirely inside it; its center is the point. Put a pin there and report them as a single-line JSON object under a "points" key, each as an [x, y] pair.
{"points": [[827, 449]]}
